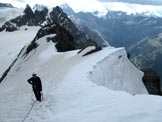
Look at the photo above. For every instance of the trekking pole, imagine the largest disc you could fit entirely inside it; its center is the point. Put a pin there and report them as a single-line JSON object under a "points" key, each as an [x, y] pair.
{"points": [[42, 95]]}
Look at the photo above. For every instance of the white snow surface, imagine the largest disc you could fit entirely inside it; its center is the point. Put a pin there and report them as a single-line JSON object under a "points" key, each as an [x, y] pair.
{"points": [[12, 42], [100, 87]]}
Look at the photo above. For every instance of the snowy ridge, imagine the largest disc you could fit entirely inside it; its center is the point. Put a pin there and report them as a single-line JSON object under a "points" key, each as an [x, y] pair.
{"points": [[106, 73], [70, 95]]}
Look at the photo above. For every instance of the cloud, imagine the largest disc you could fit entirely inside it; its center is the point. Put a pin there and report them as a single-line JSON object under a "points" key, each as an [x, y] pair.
{"points": [[77, 5], [143, 2], [15, 3]]}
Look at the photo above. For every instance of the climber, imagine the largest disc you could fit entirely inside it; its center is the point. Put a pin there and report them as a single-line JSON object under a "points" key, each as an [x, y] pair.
{"points": [[35, 81]]}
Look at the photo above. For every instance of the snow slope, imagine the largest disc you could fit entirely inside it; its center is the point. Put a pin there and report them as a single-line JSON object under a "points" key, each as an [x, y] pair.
{"points": [[76, 89], [12, 42]]}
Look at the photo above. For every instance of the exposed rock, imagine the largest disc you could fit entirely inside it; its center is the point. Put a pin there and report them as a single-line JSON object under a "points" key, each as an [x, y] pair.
{"points": [[152, 82], [63, 39], [40, 16], [9, 27], [26, 19], [28, 12], [58, 16]]}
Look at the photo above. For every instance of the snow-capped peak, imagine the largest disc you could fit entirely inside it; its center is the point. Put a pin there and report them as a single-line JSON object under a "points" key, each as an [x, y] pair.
{"points": [[67, 8], [39, 7]]}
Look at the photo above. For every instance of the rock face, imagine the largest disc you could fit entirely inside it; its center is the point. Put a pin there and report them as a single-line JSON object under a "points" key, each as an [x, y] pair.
{"points": [[63, 39], [58, 16], [152, 82], [9, 27], [84, 23]]}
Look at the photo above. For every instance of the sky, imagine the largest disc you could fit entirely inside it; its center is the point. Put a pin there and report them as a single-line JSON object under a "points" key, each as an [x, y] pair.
{"points": [[77, 3], [143, 2], [88, 5]]}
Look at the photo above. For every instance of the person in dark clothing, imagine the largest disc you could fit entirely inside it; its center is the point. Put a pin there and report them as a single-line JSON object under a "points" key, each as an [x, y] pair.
{"points": [[35, 81]]}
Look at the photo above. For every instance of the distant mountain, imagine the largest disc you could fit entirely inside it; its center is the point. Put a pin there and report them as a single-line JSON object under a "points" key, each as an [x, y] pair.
{"points": [[6, 5], [147, 53], [92, 33], [115, 24], [39, 7], [66, 8], [139, 33], [121, 29]]}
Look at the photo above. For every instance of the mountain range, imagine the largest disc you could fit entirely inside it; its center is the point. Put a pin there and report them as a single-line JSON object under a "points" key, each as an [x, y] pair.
{"points": [[140, 34]]}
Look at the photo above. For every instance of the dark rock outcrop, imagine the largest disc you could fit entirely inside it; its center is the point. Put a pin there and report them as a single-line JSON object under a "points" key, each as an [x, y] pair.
{"points": [[64, 40], [40, 16], [152, 82], [8, 27], [58, 16]]}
